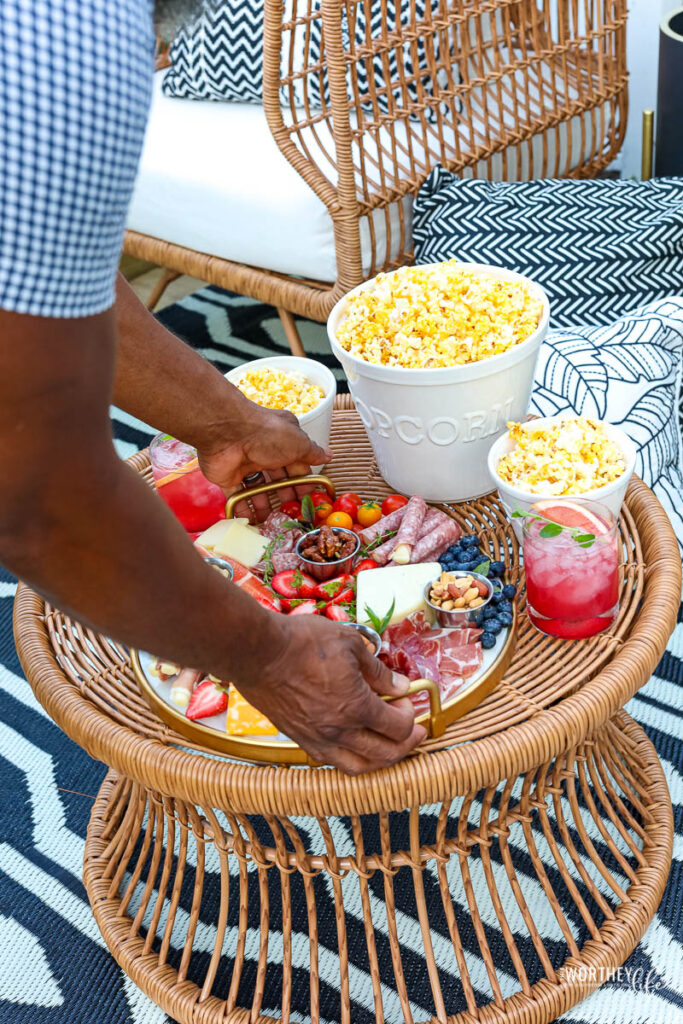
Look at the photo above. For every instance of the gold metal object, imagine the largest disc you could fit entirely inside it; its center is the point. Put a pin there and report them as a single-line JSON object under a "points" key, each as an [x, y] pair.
{"points": [[647, 145], [277, 485]]}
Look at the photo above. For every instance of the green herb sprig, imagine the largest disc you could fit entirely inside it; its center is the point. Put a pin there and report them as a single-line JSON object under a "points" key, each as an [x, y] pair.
{"points": [[366, 549], [379, 625], [585, 540]]}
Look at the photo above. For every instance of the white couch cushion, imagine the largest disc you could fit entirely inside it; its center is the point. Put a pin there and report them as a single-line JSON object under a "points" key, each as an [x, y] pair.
{"points": [[212, 178]]}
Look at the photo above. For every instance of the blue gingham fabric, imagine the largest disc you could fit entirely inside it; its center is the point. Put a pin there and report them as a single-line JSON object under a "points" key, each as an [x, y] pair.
{"points": [[75, 87]]}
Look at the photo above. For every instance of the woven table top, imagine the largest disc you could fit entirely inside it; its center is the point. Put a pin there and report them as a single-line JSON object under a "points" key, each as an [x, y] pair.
{"points": [[555, 693]]}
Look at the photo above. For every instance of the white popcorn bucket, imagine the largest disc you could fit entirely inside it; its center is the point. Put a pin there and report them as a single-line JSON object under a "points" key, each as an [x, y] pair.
{"points": [[431, 429]]}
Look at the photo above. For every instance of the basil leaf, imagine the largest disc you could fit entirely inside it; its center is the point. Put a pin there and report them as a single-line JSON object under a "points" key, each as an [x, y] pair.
{"points": [[551, 530], [308, 509], [483, 567]]}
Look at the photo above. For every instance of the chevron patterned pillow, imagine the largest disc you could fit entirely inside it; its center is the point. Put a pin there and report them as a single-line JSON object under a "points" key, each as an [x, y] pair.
{"points": [[219, 55], [599, 248], [628, 373]]}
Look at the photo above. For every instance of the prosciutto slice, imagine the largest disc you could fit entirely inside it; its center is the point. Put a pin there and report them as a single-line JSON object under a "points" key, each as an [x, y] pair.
{"points": [[448, 656]]}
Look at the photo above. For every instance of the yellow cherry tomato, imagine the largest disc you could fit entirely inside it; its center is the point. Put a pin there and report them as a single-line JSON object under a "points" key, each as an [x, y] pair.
{"points": [[340, 519], [322, 511], [369, 513]]}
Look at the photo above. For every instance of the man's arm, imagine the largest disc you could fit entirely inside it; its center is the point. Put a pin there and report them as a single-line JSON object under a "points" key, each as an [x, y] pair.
{"points": [[82, 528], [163, 381]]}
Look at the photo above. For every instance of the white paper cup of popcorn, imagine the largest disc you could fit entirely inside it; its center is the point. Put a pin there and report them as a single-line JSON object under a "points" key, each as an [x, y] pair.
{"points": [[431, 426], [311, 384]]}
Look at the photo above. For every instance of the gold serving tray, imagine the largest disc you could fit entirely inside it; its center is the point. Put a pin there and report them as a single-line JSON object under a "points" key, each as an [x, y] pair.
{"points": [[266, 749]]}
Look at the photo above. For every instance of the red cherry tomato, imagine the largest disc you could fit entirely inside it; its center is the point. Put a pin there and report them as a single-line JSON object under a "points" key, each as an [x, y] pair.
{"points": [[320, 498], [305, 608], [393, 502], [357, 528], [353, 496], [364, 565], [346, 504], [337, 613], [322, 511], [291, 509]]}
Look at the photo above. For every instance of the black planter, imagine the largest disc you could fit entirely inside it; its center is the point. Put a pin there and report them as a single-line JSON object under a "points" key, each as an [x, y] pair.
{"points": [[669, 146]]}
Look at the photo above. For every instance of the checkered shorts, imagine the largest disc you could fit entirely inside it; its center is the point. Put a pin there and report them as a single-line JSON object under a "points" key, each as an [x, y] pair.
{"points": [[75, 86]]}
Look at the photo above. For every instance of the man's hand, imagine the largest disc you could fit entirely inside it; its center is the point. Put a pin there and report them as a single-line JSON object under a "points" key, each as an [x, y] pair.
{"points": [[321, 690], [268, 439]]}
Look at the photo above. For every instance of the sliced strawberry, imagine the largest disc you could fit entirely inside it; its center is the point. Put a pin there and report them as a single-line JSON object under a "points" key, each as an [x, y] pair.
{"points": [[337, 613], [293, 583], [209, 698], [332, 589], [305, 608], [364, 565]]}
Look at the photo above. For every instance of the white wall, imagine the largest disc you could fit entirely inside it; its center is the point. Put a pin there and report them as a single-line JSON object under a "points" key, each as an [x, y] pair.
{"points": [[642, 54]]}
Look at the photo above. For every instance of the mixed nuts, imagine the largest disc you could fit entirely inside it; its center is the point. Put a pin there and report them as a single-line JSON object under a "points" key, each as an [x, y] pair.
{"points": [[452, 592]]}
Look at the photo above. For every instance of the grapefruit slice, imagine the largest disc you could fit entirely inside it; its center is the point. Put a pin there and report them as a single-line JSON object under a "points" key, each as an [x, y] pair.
{"points": [[569, 513]]}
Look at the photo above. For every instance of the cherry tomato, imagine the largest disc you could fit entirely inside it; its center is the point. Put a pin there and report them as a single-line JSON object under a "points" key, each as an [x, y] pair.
{"points": [[346, 504], [305, 608], [393, 502], [291, 509], [357, 528], [353, 496], [320, 498], [322, 512], [337, 613], [342, 519], [368, 513], [364, 565]]}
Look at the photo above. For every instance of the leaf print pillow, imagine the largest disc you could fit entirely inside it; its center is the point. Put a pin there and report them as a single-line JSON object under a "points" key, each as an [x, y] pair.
{"points": [[628, 373]]}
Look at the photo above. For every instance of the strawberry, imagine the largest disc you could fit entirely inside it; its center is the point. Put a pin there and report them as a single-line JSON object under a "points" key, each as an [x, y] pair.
{"points": [[209, 698], [337, 613], [293, 583], [305, 608], [340, 589]]}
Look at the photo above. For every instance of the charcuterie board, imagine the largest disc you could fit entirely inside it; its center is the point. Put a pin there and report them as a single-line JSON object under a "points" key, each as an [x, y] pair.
{"points": [[450, 670]]}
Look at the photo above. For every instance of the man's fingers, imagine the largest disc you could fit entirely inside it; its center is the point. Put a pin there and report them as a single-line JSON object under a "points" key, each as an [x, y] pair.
{"points": [[285, 493], [378, 677]]}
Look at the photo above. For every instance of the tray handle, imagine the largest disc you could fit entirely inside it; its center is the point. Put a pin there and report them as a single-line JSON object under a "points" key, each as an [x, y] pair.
{"points": [[437, 726], [277, 485]]}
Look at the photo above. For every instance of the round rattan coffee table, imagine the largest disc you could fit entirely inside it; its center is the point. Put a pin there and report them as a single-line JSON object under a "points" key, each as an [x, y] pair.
{"points": [[532, 841]]}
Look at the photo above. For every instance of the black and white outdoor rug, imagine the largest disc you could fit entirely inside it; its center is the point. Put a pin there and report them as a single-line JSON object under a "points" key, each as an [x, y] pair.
{"points": [[54, 967]]}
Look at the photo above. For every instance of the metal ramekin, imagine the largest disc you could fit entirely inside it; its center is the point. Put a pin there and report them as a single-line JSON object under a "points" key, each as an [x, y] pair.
{"points": [[371, 634], [459, 616], [328, 570], [219, 563]]}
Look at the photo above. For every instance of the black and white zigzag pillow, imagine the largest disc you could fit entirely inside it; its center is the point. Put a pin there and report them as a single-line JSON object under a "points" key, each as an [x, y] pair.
{"points": [[219, 55], [629, 374], [599, 248]]}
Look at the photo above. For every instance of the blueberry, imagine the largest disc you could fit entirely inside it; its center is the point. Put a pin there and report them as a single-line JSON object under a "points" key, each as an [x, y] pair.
{"points": [[505, 618], [496, 599], [462, 566], [497, 568], [509, 591], [476, 618], [504, 606], [494, 626], [470, 541], [488, 641], [489, 612]]}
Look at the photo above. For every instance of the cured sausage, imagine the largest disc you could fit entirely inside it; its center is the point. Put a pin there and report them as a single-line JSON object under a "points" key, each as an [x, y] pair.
{"points": [[383, 525], [432, 517], [409, 530], [445, 533]]}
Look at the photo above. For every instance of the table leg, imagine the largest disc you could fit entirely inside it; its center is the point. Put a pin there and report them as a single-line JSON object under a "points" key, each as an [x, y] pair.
{"points": [[545, 882]]}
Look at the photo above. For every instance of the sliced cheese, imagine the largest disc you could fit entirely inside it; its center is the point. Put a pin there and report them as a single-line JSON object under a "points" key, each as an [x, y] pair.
{"points": [[213, 535], [243, 543], [402, 584], [245, 720]]}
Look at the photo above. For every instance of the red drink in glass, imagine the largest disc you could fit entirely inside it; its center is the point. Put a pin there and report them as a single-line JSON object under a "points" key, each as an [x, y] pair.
{"points": [[572, 584], [194, 500]]}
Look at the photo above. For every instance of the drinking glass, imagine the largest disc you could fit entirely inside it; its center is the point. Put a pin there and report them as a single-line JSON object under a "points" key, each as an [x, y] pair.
{"points": [[194, 500], [571, 561]]}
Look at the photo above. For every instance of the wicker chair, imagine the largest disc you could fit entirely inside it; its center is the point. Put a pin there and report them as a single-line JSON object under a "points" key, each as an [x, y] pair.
{"points": [[517, 89]]}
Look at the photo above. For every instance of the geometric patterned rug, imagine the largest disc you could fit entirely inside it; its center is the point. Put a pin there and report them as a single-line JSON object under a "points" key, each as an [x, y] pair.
{"points": [[54, 967]]}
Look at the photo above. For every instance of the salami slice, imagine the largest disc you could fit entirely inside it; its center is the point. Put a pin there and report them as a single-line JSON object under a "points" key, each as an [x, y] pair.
{"points": [[445, 533], [383, 525], [409, 530], [432, 517], [383, 553]]}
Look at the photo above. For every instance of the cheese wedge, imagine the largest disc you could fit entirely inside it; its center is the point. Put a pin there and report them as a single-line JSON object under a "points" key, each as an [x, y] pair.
{"points": [[245, 720], [402, 584], [235, 538]]}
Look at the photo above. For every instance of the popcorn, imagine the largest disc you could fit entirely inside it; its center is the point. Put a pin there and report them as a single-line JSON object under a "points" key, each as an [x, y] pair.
{"points": [[571, 456], [275, 389], [427, 317]]}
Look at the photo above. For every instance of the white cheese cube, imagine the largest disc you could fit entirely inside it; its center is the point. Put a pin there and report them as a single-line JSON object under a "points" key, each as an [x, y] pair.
{"points": [[242, 542], [402, 584], [213, 535]]}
